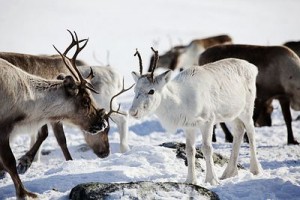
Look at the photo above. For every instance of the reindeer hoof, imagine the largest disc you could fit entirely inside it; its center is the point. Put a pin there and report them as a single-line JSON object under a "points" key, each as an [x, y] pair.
{"points": [[228, 173], [194, 182], [24, 164], [28, 195], [213, 181], [124, 149], [293, 142]]}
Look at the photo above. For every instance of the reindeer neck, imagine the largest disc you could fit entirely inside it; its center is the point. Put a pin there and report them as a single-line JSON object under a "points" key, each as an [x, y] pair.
{"points": [[170, 99], [49, 99]]}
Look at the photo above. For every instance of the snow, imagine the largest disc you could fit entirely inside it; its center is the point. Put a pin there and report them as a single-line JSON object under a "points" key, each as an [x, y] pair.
{"points": [[119, 27]]}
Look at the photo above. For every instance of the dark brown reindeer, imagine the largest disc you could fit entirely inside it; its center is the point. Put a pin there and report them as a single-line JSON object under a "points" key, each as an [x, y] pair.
{"points": [[105, 80], [186, 56], [28, 101], [278, 76], [294, 45]]}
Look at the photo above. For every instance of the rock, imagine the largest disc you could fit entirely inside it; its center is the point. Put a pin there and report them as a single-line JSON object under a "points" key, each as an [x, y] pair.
{"points": [[180, 153], [140, 190]]}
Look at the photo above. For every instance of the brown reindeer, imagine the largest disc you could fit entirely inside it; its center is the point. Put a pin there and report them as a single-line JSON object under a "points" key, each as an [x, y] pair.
{"points": [[28, 101], [278, 76], [294, 45], [105, 80], [186, 56]]}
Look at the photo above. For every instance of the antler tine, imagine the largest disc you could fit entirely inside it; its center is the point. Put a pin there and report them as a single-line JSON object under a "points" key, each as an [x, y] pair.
{"points": [[73, 43], [64, 59], [140, 61], [73, 59], [156, 57], [73, 69], [110, 105]]}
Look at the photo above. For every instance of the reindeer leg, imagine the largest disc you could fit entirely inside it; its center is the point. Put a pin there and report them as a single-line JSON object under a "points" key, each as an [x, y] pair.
{"points": [[26, 160], [255, 167], [259, 106], [285, 107], [238, 131], [8, 162], [214, 138], [207, 150], [61, 139], [228, 135], [190, 151], [121, 122]]}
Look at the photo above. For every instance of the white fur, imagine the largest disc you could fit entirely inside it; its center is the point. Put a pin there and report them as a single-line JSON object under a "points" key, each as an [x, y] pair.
{"points": [[108, 82], [189, 55], [198, 98]]}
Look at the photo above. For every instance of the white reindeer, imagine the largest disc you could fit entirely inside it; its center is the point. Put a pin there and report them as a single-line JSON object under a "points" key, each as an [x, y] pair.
{"points": [[200, 97]]}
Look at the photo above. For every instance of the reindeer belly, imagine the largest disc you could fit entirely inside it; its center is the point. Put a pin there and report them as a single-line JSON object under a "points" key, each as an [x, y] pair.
{"points": [[230, 104]]}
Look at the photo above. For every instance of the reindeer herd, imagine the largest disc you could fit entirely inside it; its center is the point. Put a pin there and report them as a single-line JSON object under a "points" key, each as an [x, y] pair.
{"points": [[218, 82]]}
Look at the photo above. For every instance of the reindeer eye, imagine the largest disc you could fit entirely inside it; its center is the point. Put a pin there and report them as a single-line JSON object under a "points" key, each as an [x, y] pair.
{"points": [[151, 92]]}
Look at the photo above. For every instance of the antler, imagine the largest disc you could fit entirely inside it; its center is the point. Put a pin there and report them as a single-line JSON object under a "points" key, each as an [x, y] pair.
{"points": [[73, 67], [119, 93], [154, 64], [73, 43], [140, 61]]}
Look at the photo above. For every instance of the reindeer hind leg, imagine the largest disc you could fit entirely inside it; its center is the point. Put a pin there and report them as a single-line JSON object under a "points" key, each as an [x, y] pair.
{"points": [[8, 162]]}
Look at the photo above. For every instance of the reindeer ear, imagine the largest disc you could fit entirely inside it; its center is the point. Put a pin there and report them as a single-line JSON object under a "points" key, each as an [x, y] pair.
{"points": [[135, 76], [61, 76], [91, 75], [70, 86], [166, 76]]}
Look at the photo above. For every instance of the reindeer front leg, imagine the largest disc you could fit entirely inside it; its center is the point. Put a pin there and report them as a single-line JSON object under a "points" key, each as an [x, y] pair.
{"points": [[32, 155], [121, 121], [190, 135], [59, 133], [8, 162]]}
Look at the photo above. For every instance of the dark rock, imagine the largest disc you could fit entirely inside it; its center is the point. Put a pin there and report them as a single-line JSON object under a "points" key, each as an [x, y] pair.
{"points": [[140, 190], [46, 152], [180, 153]]}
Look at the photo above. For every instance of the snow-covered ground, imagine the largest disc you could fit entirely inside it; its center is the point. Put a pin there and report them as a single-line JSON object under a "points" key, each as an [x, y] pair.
{"points": [[118, 27]]}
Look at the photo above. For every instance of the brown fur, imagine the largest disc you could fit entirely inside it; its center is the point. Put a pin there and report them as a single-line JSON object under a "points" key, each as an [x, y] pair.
{"points": [[50, 67], [170, 58], [31, 101], [279, 74], [294, 45]]}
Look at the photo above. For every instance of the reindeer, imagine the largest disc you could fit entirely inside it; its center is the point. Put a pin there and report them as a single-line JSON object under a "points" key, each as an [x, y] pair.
{"points": [[186, 56], [200, 97], [105, 80], [28, 102], [278, 76], [294, 45]]}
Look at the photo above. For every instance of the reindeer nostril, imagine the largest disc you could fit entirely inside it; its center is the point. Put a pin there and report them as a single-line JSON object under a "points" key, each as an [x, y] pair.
{"points": [[102, 154], [134, 114]]}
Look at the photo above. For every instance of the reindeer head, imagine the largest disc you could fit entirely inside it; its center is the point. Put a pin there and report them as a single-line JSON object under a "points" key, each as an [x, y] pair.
{"points": [[148, 89], [85, 114], [169, 59]]}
